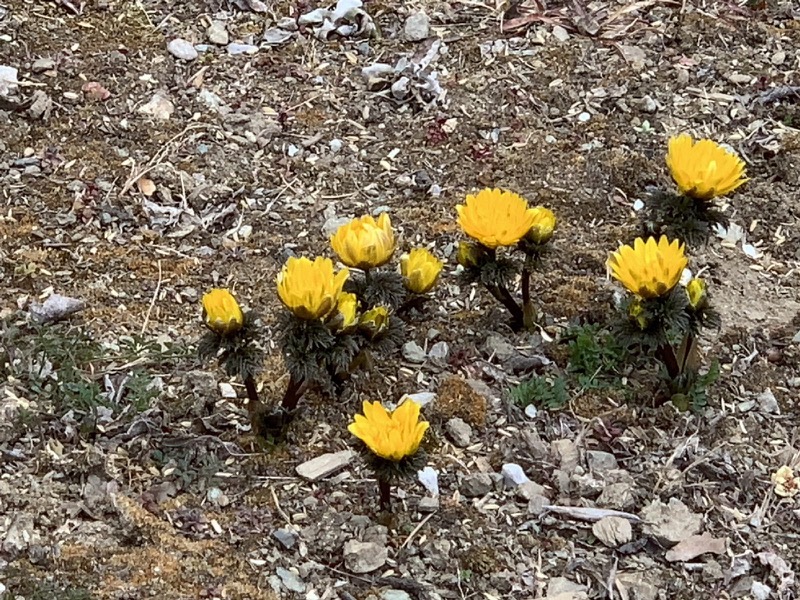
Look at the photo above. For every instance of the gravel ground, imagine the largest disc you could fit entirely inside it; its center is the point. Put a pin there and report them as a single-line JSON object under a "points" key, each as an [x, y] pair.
{"points": [[150, 150]]}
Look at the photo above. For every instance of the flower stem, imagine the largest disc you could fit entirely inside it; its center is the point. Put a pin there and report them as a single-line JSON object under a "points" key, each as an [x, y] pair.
{"points": [[294, 392], [503, 296], [666, 354], [255, 408], [528, 310], [385, 491], [416, 301]]}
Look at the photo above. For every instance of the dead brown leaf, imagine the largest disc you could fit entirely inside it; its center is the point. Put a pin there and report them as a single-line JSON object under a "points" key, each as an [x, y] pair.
{"points": [[694, 546], [146, 186]]}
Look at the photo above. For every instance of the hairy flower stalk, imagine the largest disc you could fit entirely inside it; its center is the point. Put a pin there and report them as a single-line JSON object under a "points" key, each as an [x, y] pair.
{"points": [[392, 440], [231, 338], [661, 311], [496, 218]]}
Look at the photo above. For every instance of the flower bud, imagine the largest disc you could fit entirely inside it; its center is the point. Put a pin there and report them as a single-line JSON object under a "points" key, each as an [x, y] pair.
{"points": [[470, 255], [544, 224], [636, 313], [375, 321], [420, 270], [696, 292], [221, 312]]}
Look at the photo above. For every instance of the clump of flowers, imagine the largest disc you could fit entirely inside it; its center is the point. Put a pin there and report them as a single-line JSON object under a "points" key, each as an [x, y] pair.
{"points": [[338, 320], [391, 441], [496, 219], [660, 316], [232, 338], [703, 172]]}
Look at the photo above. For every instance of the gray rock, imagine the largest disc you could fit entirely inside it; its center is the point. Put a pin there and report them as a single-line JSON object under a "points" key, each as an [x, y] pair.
{"points": [[217, 33], [459, 432], [567, 454], [477, 484], [364, 557], [561, 34], [275, 36], [559, 587], [332, 225], [395, 595], [768, 403], [217, 497], [290, 581], [422, 398], [618, 496], [671, 523], [529, 490], [428, 504], [600, 462], [536, 505], [43, 64], [286, 537], [496, 345], [613, 531], [417, 27], [180, 48], [159, 106], [412, 352], [235, 49], [439, 352], [513, 475], [649, 105], [324, 465], [55, 308]]}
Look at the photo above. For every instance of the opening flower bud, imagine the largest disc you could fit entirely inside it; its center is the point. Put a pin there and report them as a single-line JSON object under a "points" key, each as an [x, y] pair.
{"points": [[696, 291], [420, 270], [221, 312], [544, 224], [637, 314], [346, 312], [375, 321]]}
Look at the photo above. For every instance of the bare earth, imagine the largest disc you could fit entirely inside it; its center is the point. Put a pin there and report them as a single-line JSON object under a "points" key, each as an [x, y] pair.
{"points": [[135, 180]]}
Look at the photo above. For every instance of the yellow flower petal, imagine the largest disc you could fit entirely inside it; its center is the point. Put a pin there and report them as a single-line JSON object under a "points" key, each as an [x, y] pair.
{"points": [[495, 217], [364, 243], [649, 269], [310, 289], [420, 270], [703, 169], [221, 311], [391, 435]]}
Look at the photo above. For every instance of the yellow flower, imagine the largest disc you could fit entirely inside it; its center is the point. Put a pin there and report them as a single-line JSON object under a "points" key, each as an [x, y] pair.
{"points": [[391, 435], [375, 320], [420, 270], [310, 289], [495, 217], [221, 312], [364, 243], [469, 255], [544, 223], [347, 307], [703, 169], [696, 291], [649, 269], [787, 484], [637, 313]]}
